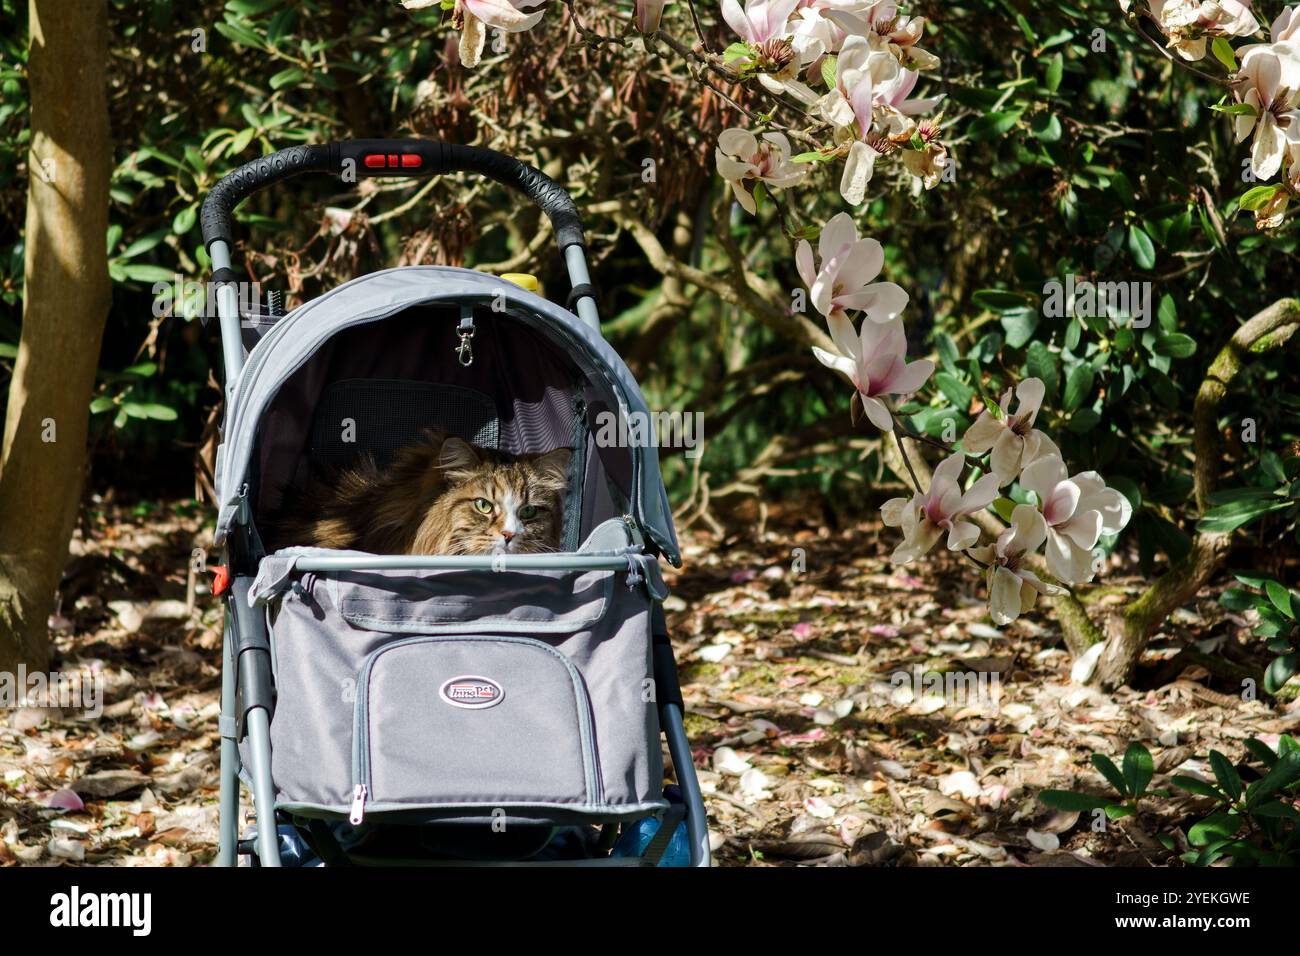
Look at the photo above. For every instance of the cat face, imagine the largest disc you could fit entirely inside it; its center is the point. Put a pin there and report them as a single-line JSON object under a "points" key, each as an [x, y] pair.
{"points": [[492, 505]]}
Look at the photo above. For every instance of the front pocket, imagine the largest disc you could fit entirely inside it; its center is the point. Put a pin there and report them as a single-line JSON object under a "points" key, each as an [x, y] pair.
{"points": [[471, 720]]}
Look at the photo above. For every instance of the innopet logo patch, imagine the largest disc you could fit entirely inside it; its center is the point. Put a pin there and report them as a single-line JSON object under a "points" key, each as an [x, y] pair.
{"points": [[472, 692]]}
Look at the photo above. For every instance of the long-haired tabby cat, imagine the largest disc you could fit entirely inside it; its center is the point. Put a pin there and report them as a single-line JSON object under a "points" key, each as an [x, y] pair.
{"points": [[441, 495]]}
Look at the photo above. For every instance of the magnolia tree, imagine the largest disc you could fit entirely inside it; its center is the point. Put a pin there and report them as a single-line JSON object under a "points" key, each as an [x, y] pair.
{"points": [[1261, 80], [838, 83]]}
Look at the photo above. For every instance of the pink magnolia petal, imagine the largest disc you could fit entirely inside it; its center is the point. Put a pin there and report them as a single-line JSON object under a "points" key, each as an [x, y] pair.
{"points": [[910, 377], [64, 800], [877, 413], [982, 435]]}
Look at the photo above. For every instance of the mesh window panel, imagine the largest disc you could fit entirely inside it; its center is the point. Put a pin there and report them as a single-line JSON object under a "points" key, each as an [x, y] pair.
{"points": [[389, 414]]}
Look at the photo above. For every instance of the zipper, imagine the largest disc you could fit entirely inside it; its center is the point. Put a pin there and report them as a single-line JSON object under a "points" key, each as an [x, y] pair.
{"points": [[361, 718], [358, 805], [634, 531]]}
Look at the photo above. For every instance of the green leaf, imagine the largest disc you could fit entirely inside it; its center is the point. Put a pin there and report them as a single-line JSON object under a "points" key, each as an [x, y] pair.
{"points": [[1078, 386], [142, 273], [1280, 597], [149, 410], [102, 404], [1108, 770], [1175, 345], [1223, 52], [1019, 324], [1239, 599], [1055, 68], [1276, 810], [1138, 768], [1141, 247], [1046, 128], [830, 65], [999, 300], [1282, 776], [812, 156], [1235, 514], [1196, 785], [1084, 421], [1040, 362], [143, 244], [185, 220], [1261, 751], [291, 76], [1226, 774], [1280, 670], [240, 34], [1069, 800], [992, 125], [1257, 197], [738, 51], [954, 389], [239, 142], [1217, 826], [1235, 109], [1004, 507]]}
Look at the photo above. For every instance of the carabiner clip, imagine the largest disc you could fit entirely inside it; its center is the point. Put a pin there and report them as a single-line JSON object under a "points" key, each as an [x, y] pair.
{"points": [[465, 350]]}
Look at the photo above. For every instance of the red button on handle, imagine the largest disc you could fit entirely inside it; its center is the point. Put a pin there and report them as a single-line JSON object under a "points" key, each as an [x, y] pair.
{"points": [[374, 160]]}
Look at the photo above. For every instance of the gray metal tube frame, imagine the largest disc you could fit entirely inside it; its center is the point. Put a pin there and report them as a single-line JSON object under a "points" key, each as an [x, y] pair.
{"points": [[228, 804], [259, 745], [447, 562], [576, 260], [679, 748]]}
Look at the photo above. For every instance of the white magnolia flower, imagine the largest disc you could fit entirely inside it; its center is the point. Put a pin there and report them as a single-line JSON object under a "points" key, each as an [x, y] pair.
{"points": [[1077, 512], [848, 267], [1014, 440], [1013, 589], [474, 16], [1271, 85], [849, 107], [875, 361], [888, 30], [741, 157], [925, 517], [1189, 24], [759, 20]]}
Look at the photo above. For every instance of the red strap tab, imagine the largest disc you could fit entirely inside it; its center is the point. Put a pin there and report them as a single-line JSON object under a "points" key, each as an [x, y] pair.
{"points": [[220, 579]]}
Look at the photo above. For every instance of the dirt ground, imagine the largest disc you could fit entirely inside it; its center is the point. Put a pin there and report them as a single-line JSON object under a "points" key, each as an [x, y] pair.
{"points": [[804, 658]]}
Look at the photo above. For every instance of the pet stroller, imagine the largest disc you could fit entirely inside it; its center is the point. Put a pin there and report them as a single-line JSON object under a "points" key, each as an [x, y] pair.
{"points": [[441, 709]]}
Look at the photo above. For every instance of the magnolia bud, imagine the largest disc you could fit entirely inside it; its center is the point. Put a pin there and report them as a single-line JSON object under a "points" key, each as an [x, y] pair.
{"points": [[648, 13]]}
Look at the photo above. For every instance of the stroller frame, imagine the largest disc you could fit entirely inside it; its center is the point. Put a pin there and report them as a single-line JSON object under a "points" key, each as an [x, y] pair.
{"points": [[247, 681]]}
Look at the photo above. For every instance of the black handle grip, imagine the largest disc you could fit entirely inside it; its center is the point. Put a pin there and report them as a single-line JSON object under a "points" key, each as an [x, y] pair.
{"points": [[355, 159]]}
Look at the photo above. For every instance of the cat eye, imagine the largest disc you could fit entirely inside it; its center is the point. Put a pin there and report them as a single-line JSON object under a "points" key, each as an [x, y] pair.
{"points": [[528, 511], [483, 506]]}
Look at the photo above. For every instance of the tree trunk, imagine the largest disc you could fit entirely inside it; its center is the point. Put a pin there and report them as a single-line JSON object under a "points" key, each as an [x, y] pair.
{"points": [[65, 302]]}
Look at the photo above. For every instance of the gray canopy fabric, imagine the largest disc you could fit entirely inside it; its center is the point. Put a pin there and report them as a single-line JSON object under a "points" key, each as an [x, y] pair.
{"points": [[294, 340]]}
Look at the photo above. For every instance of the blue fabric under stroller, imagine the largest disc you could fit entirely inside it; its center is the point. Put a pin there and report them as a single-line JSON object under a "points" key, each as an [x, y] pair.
{"points": [[442, 709]]}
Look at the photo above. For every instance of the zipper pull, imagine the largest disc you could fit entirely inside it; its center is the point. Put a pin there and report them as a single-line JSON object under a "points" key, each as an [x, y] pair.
{"points": [[358, 805], [634, 530]]}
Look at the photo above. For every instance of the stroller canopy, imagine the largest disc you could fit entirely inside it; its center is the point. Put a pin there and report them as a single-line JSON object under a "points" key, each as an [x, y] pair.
{"points": [[296, 338]]}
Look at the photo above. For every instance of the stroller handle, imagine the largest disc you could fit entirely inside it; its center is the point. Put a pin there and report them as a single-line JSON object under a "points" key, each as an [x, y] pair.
{"points": [[357, 158]]}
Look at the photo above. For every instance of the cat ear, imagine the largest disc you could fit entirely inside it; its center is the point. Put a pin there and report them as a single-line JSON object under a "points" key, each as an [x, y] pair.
{"points": [[554, 465], [458, 455]]}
